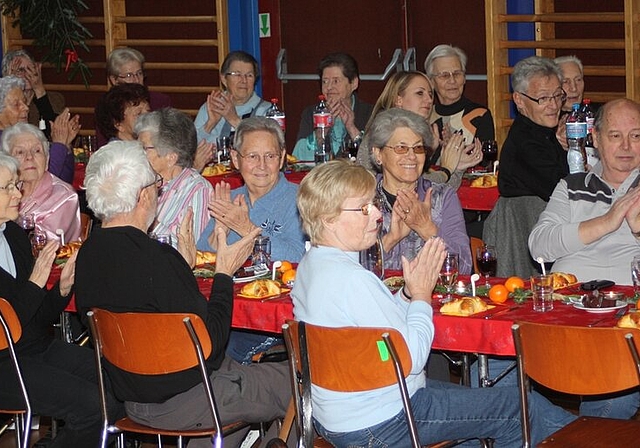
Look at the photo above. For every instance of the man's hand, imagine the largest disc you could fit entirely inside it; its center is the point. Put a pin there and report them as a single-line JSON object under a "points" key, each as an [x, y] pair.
{"points": [[186, 239], [230, 258]]}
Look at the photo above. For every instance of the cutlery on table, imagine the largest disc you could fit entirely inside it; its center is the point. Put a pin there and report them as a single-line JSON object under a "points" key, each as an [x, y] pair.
{"points": [[503, 311]]}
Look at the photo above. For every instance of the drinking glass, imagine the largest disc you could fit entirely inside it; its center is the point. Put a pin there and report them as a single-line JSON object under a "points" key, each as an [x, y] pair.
{"points": [[373, 259], [542, 289], [223, 150], [489, 154], [261, 256], [27, 222], [38, 240], [487, 262], [635, 274], [449, 274]]}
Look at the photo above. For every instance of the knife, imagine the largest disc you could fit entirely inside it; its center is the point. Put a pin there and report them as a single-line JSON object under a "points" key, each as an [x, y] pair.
{"points": [[504, 311]]}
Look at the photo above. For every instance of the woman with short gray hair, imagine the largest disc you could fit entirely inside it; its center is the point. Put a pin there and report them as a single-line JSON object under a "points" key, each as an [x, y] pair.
{"points": [[52, 202], [168, 137]]}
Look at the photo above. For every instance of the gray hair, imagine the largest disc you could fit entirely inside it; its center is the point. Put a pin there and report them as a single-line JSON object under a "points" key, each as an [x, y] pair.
{"points": [[115, 175], [443, 51], [120, 56], [253, 124], [570, 58], [7, 84], [10, 56], [172, 131], [10, 163], [531, 67], [9, 134], [385, 124]]}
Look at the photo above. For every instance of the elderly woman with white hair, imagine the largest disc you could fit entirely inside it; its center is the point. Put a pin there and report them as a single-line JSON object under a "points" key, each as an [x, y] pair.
{"points": [[52, 202], [14, 109], [168, 137]]}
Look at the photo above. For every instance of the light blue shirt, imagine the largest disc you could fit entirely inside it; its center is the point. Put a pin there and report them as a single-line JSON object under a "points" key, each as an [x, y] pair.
{"points": [[6, 257], [332, 289]]}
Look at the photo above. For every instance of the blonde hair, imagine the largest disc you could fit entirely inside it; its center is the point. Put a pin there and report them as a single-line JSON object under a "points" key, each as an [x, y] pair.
{"points": [[395, 87], [325, 188]]}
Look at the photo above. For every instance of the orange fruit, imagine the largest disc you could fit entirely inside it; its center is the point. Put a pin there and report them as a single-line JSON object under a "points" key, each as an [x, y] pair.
{"points": [[288, 276], [498, 293], [514, 283], [286, 265]]}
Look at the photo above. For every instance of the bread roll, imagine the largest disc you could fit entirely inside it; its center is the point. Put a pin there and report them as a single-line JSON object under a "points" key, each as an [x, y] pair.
{"points": [[485, 181], [465, 306], [631, 320], [203, 257], [562, 279], [68, 249], [260, 288]]}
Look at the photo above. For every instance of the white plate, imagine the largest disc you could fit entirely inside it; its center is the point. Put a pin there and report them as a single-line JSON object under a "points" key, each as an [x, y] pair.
{"points": [[620, 304], [247, 278]]}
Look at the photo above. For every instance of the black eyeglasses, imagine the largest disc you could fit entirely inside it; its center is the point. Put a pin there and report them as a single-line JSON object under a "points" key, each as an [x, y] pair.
{"points": [[546, 100], [157, 182], [403, 149]]}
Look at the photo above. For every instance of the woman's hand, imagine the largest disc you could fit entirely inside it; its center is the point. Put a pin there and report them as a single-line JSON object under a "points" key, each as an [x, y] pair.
{"points": [[186, 239], [204, 155], [222, 105], [451, 152], [42, 266], [397, 229], [65, 128], [230, 258], [421, 274], [471, 155], [416, 214], [213, 117], [233, 214], [342, 109], [68, 275]]}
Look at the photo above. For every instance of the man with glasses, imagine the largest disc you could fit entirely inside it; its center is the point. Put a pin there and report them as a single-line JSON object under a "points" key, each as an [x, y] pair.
{"points": [[532, 160], [267, 201]]}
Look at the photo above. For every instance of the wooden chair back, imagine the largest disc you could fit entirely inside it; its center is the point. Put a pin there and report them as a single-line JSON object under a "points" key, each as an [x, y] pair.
{"points": [[10, 334], [85, 226], [577, 360], [347, 359], [144, 343]]}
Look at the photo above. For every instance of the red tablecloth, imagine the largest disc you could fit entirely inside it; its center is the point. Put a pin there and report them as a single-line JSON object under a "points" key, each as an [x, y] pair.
{"points": [[481, 199]]}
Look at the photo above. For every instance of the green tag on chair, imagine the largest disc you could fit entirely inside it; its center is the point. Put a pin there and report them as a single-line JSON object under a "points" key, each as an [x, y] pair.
{"points": [[382, 349]]}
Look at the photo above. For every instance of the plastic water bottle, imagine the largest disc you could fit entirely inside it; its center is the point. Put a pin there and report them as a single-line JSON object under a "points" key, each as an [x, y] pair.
{"points": [[576, 135], [322, 123], [275, 113], [591, 152]]}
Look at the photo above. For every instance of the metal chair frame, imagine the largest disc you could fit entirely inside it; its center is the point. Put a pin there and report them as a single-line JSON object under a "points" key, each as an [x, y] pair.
{"points": [[589, 354], [11, 332], [195, 344]]}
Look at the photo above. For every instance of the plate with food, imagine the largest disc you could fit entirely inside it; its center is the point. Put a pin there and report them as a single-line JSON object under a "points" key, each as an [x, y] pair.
{"points": [[65, 251], [619, 304], [249, 273], [394, 283], [205, 271], [485, 181], [215, 170], [261, 289]]}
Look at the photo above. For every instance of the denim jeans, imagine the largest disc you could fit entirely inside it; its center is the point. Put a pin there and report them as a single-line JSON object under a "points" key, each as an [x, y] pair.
{"points": [[243, 345], [622, 405], [445, 411]]}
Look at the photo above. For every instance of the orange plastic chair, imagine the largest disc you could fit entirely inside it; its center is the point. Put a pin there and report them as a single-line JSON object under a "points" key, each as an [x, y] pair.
{"points": [[347, 359], [11, 333], [154, 344], [579, 361], [475, 243]]}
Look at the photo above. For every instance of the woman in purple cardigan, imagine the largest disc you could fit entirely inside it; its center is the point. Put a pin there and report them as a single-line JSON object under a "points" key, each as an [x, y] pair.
{"points": [[413, 209]]}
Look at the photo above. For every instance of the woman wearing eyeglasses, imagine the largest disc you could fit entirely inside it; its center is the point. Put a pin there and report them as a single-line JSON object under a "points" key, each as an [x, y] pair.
{"points": [[221, 114], [168, 137], [266, 201], [446, 67], [413, 208], [52, 202]]}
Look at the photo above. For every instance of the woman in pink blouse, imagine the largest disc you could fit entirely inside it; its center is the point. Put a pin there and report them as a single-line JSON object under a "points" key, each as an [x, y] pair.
{"points": [[52, 202]]}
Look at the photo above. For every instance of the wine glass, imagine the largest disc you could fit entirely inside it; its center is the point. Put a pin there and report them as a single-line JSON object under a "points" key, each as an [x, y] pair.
{"points": [[449, 274], [38, 241], [487, 262], [27, 222], [489, 154]]}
